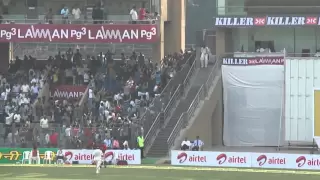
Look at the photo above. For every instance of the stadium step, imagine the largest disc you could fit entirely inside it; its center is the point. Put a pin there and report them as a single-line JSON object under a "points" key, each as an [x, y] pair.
{"points": [[159, 147]]}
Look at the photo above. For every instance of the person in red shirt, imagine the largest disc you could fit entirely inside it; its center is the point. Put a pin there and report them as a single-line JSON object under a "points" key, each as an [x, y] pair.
{"points": [[142, 12], [103, 148], [35, 155], [53, 139]]}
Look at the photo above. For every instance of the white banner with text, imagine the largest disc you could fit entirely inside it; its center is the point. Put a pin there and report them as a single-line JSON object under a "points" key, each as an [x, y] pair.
{"points": [[85, 156], [245, 159]]}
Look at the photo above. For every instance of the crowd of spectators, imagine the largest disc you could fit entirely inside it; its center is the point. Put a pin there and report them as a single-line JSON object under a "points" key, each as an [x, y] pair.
{"points": [[118, 93], [20, 88], [99, 16]]}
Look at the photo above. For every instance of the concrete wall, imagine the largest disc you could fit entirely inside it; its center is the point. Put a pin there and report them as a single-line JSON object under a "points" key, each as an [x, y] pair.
{"points": [[208, 123]]}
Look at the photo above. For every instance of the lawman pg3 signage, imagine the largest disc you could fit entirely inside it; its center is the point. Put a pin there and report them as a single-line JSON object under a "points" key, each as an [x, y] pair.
{"points": [[267, 21], [111, 33]]}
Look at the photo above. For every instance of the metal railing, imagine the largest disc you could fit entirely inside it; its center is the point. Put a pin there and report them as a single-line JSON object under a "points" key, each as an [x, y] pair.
{"points": [[44, 50], [181, 89], [71, 20], [186, 116], [267, 10], [168, 107]]}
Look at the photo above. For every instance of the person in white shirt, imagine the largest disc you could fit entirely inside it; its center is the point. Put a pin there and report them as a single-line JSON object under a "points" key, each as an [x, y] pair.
{"points": [[90, 98], [185, 145], [86, 78], [25, 88], [126, 145], [134, 15], [44, 123], [76, 12], [67, 132], [204, 56], [97, 158], [60, 157], [9, 119], [17, 118]]}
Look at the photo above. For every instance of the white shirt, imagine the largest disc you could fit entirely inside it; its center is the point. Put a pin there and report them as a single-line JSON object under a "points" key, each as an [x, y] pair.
{"points": [[68, 131], [17, 118], [188, 143], [134, 15], [44, 123], [25, 88], [34, 80], [97, 154], [116, 97], [4, 96], [59, 153], [9, 119], [85, 78], [47, 138], [132, 103], [76, 13], [107, 104], [90, 93]]}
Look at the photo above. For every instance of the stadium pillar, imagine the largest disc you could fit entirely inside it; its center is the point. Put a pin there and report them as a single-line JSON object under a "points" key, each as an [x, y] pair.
{"points": [[171, 28]]}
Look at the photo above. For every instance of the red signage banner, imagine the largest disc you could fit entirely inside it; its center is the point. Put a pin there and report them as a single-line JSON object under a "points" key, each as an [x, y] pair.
{"points": [[67, 92], [111, 33], [243, 61], [257, 21]]}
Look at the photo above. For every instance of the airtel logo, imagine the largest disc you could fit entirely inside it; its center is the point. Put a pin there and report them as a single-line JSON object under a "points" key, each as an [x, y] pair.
{"points": [[222, 158], [109, 154], [301, 161], [182, 157], [68, 156], [262, 160]]}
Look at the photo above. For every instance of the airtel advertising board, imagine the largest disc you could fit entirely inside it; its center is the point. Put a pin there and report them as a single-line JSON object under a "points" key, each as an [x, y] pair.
{"points": [[246, 159], [204, 158], [190, 158], [285, 161], [270, 160], [85, 156]]}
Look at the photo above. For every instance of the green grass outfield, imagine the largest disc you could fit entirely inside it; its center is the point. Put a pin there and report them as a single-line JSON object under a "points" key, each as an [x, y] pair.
{"points": [[53, 172]]}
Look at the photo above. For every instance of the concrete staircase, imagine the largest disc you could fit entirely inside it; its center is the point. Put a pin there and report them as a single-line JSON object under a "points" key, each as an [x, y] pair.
{"points": [[159, 147]]}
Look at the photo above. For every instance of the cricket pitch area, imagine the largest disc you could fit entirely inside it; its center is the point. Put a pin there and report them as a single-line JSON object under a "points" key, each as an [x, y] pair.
{"points": [[80, 172]]}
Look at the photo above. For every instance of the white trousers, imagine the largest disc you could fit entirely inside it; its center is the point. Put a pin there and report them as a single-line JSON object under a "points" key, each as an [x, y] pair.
{"points": [[34, 159], [98, 164], [204, 60]]}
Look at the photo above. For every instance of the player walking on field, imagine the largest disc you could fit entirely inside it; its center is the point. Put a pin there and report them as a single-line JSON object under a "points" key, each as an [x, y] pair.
{"points": [[98, 157]]}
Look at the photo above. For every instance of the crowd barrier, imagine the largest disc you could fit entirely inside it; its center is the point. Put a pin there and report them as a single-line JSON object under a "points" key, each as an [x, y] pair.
{"points": [[78, 156], [246, 160]]}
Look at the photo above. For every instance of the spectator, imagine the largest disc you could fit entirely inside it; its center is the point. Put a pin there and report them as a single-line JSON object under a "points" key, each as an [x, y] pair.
{"points": [[53, 138], [142, 12], [108, 142], [65, 14], [97, 14], [126, 145], [197, 144], [76, 12], [115, 144], [185, 145], [49, 17], [133, 15]]}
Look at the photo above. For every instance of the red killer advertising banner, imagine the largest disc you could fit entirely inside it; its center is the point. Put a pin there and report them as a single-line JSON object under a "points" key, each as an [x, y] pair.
{"points": [[249, 61], [67, 92], [248, 21], [111, 33]]}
